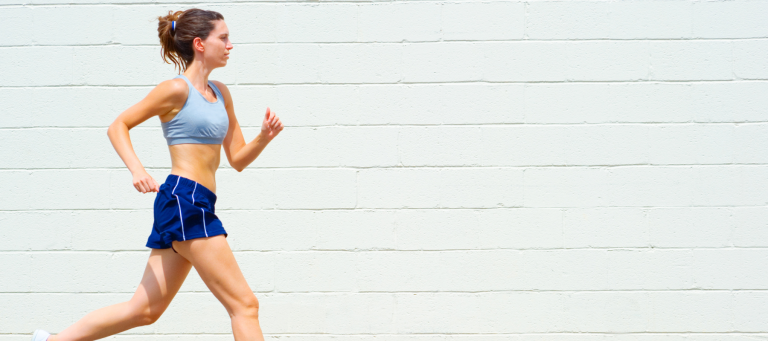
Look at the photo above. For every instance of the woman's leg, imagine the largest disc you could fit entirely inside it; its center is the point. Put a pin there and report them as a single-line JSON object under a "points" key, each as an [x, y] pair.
{"points": [[214, 261], [163, 276]]}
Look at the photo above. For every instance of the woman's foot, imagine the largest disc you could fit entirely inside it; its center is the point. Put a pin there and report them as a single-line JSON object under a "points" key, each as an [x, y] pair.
{"points": [[40, 335]]}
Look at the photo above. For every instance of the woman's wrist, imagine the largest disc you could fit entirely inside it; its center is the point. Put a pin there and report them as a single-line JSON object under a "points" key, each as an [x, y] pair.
{"points": [[263, 137]]}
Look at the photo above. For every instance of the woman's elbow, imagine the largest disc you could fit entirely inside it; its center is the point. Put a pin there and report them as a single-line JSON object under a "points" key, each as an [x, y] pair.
{"points": [[111, 130], [114, 127]]}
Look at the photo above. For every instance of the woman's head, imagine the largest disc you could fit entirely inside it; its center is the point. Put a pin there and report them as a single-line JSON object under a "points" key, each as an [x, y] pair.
{"points": [[198, 35]]}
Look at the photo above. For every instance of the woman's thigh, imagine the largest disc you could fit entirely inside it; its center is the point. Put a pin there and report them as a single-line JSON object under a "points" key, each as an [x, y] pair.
{"points": [[163, 276], [214, 261]]}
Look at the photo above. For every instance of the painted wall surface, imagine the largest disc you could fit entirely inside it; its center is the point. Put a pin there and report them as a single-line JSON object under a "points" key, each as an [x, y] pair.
{"points": [[449, 170]]}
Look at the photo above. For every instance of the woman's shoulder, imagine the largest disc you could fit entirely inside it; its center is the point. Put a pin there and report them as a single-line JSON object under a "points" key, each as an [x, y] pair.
{"points": [[175, 88]]}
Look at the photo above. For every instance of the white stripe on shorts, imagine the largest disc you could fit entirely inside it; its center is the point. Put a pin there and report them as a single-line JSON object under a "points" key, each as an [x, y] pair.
{"points": [[193, 202], [204, 229], [179, 202]]}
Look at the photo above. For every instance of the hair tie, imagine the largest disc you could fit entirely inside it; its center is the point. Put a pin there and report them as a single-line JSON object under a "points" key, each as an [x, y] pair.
{"points": [[173, 25]]}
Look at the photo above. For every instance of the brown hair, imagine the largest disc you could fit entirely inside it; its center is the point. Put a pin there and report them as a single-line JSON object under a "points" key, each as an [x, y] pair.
{"points": [[176, 44]]}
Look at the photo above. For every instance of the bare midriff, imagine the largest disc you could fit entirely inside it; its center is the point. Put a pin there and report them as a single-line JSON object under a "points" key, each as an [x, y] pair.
{"points": [[197, 162]]}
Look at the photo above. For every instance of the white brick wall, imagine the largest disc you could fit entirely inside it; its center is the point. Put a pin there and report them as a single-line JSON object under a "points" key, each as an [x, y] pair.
{"points": [[450, 170]]}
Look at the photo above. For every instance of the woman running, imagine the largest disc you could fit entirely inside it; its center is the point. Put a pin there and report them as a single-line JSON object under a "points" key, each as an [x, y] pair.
{"points": [[198, 119]]}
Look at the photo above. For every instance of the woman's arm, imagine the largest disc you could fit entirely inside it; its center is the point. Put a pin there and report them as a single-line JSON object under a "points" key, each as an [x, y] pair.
{"points": [[240, 154], [162, 99]]}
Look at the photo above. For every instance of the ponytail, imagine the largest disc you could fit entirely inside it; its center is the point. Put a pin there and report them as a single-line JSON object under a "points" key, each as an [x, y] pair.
{"points": [[176, 42]]}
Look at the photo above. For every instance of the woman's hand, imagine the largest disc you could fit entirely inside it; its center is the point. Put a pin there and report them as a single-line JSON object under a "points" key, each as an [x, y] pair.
{"points": [[271, 125], [144, 183]]}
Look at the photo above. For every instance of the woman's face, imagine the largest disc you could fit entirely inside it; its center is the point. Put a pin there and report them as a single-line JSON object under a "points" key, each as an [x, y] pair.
{"points": [[217, 45]]}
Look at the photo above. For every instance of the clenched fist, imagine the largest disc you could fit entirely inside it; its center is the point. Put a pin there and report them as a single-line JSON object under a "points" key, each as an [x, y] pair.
{"points": [[271, 125]]}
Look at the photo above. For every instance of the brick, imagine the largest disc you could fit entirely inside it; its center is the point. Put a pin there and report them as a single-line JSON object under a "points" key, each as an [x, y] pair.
{"points": [[567, 20], [730, 268], [690, 227], [438, 229], [291, 188], [356, 230], [747, 314], [524, 61], [329, 313], [750, 226], [75, 25], [326, 271], [360, 63], [524, 145], [608, 102], [650, 19], [649, 269], [466, 188], [86, 147], [650, 186], [699, 311], [729, 101], [521, 145], [691, 60], [96, 65], [398, 22], [533, 312], [17, 21], [521, 228], [746, 61], [692, 144], [748, 140], [606, 145], [250, 22], [52, 230], [730, 19], [605, 227], [482, 21], [566, 187], [67, 189], [28, 69], [484, 187], [136, 24], [309, 22], [608, 61], [426, 146], [330, 147], [438, 271], [442, 62], [577, 103], [687, 186], [398, 188], [737, 186], [564, 312], [69, 106], [561, 270], [274, 63], [16, 269], [439, 103]]}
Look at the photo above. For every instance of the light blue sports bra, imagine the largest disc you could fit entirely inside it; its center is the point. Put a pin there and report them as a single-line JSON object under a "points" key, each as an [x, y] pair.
{"points": [[198, 121]]}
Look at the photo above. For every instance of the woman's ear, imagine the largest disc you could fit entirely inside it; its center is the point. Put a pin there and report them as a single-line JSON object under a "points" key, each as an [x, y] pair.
{"points": [[198, 44]]}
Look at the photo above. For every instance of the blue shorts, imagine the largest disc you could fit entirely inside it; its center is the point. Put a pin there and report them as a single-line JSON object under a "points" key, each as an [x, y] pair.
{"points": [[184, 210]]}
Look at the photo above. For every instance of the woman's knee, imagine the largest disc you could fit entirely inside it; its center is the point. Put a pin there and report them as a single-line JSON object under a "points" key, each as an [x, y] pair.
{"points": [[248, 306], [146, 314]]}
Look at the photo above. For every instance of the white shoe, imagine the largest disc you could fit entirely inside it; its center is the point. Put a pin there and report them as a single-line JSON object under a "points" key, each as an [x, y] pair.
{"points": [[40, 335]]}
